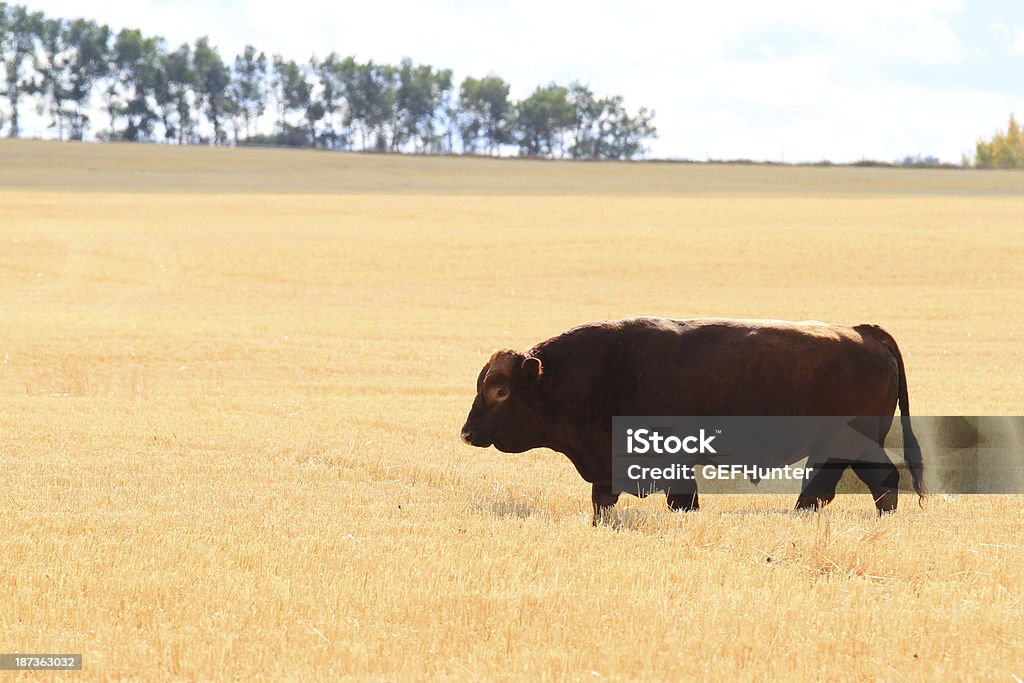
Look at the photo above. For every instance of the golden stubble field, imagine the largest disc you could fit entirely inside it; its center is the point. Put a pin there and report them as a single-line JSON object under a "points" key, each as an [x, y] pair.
{"points": [[231, 383]]}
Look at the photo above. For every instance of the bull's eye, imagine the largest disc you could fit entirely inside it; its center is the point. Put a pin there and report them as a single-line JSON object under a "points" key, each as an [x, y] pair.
{"points": [[502, 392]]}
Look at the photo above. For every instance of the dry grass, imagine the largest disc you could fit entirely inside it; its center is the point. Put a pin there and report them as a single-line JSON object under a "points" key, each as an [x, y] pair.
{"points": [[230, 397]]}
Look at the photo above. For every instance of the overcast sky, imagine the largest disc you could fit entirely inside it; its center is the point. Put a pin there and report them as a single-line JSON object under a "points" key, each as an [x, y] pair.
{"points": [[791, 80]]}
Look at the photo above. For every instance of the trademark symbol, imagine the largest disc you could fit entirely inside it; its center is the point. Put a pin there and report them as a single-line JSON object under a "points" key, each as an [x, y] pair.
{"points": [[718, 431]]}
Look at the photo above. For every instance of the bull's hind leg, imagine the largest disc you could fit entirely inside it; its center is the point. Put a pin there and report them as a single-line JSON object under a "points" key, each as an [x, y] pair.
{"points": [[604, 501], [882, 478], [819, 490], [873, 466]]}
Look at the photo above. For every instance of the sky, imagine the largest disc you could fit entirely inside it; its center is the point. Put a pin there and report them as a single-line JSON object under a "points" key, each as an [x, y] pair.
{"points": [[789, 80]]}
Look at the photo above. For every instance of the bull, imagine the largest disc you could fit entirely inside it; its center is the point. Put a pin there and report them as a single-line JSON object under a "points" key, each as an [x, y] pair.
{"points": [[563, 393]]}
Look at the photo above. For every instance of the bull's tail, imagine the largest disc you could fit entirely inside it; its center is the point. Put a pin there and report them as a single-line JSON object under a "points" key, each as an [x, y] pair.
{"points": [[911, 447]]}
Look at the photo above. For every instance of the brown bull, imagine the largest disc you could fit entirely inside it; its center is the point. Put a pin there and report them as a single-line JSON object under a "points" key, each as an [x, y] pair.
{"points": [[563, 393]]}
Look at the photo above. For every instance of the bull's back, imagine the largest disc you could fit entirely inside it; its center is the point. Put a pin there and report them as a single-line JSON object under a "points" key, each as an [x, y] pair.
{"points": [[756, 367]]}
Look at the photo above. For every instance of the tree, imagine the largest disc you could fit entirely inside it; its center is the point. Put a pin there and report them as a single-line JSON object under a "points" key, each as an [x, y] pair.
{"points": [[628, 132], [313, 110], [485, 111], [348, 73], [211, 79], [331, 102], [447, 122], [174, 94], [603, 129], [370, 92], [542, 119], [334, 74], [51, 63], [294, 93], [1004, 150], [418, 102], [372, 102], [588, 130], [134, 73], [71, 57], [22, 29], [88, 63], [248, 86]]}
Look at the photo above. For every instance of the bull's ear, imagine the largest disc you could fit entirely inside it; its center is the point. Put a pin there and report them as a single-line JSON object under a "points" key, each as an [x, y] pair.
{"points": [[532, 367]]}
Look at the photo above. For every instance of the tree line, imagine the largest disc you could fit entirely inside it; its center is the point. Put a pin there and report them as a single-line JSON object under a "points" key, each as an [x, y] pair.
{"points": [[1004, 150], [139, 89]]}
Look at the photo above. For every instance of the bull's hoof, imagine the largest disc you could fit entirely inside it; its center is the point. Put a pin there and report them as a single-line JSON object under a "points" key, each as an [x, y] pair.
{"points": [[812, 503], [602, 515], [886, 503]]}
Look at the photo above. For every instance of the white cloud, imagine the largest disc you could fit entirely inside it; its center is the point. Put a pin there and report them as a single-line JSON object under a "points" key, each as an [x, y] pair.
{"points": [[1017, 44]]}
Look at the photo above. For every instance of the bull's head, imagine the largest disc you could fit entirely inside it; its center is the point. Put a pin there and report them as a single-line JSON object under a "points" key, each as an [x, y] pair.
{"points": [[506, 411]]}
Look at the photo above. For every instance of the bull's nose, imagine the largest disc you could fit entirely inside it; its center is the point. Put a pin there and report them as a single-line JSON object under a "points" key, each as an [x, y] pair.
{"points": [[467, 437]]}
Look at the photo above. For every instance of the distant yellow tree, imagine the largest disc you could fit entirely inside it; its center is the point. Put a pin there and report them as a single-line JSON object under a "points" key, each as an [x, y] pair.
{"points": [[1004, 150]]}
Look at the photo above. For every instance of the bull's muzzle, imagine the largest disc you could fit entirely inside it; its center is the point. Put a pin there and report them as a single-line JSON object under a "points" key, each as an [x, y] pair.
{"points": [[474, 438]]}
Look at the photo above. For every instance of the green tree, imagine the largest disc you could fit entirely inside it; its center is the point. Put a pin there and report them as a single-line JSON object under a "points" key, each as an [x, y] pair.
{"points": [[211, 80], [174, 94], [51, 63], [1004, 150], [325, 103], [313, 110], [5, 32], [629, 133], [449, 125], [542, 119], [231, 111], [370, 92], [133, 77], [293, 94], [88, 63], [334, 74], [603, 129], [588, 129], [249, 86], [21, 31], [372, 102], [484, 113], [419, 102], [349, 74]]}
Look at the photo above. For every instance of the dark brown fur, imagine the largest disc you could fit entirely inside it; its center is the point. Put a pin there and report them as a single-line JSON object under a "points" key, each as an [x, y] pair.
{"points": [[563, 393]]}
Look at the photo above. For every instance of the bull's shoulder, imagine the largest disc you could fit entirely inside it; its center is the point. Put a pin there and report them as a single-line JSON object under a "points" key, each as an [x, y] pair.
{"points": [[588, 371], [581, 338]]}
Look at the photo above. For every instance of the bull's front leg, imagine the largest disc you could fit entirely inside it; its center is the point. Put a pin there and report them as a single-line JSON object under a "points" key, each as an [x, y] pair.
{"points": [[604, 501], [682, 497], [683, 502]]}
